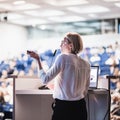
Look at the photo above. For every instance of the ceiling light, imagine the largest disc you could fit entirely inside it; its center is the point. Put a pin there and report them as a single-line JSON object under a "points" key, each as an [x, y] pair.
{"points": [[117, 4], [32, 12], [52, 13], [28, 22], [66, 2], [42, 27], [45, 26], [19, 7], [19, 2], [92, 15], [44, 13], [27, 6], [89, 9], [66, 19], [12, 16]]}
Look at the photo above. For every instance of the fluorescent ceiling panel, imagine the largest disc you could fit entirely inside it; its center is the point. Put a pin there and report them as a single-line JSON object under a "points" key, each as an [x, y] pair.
{"points": [[44, 13], [66, 2], [89, 9], [12, 16], [19, 7], [28, 21], [92, 15], [43, 27], [66, 18], [117, 4], [19, 2], [27, 6]]}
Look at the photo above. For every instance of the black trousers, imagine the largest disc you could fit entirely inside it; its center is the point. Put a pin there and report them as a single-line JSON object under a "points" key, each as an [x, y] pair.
{"points": [[69, 110]]}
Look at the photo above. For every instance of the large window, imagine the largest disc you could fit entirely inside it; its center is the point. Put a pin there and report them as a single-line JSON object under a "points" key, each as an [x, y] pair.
{"points": [[93, 27], [108, 26]]}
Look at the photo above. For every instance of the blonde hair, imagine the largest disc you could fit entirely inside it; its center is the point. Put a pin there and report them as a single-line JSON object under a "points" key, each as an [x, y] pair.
{"points": [[77, 42]]}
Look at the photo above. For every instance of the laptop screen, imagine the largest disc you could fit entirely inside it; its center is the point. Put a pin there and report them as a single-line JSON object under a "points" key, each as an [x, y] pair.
{"points": [[94, 76]]}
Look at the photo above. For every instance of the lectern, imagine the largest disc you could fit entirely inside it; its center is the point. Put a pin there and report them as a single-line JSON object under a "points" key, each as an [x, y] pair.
{"points": [[34, 104]]}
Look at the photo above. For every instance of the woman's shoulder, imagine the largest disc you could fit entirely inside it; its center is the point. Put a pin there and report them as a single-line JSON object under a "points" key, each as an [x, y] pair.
{"points": [[62, 55], [85, 62]]}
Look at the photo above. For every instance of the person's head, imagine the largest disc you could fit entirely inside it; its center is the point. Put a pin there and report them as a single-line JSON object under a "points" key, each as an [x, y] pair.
{"points": [[72, 43]]}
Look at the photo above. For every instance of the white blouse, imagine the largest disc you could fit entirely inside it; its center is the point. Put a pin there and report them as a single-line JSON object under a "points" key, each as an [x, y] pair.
{"points": [[71, 76]]}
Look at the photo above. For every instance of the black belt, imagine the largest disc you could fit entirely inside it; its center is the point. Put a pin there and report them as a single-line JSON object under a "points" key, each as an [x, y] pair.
{"points": [[58, 100]]}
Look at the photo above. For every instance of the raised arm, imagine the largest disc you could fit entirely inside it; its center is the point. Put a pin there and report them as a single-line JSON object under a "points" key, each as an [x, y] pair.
{"points": [[35, 56]]}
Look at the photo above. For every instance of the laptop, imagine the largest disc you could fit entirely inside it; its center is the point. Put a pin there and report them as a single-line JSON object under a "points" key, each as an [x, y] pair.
{"points": [[94, 77]]}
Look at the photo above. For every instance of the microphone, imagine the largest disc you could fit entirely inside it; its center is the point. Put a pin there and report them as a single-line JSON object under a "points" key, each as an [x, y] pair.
{"points": [[54, 52], [52, 58]]}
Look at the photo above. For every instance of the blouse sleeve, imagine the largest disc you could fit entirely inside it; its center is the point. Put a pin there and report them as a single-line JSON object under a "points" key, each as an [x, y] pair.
{"points": [[52, 72]]}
